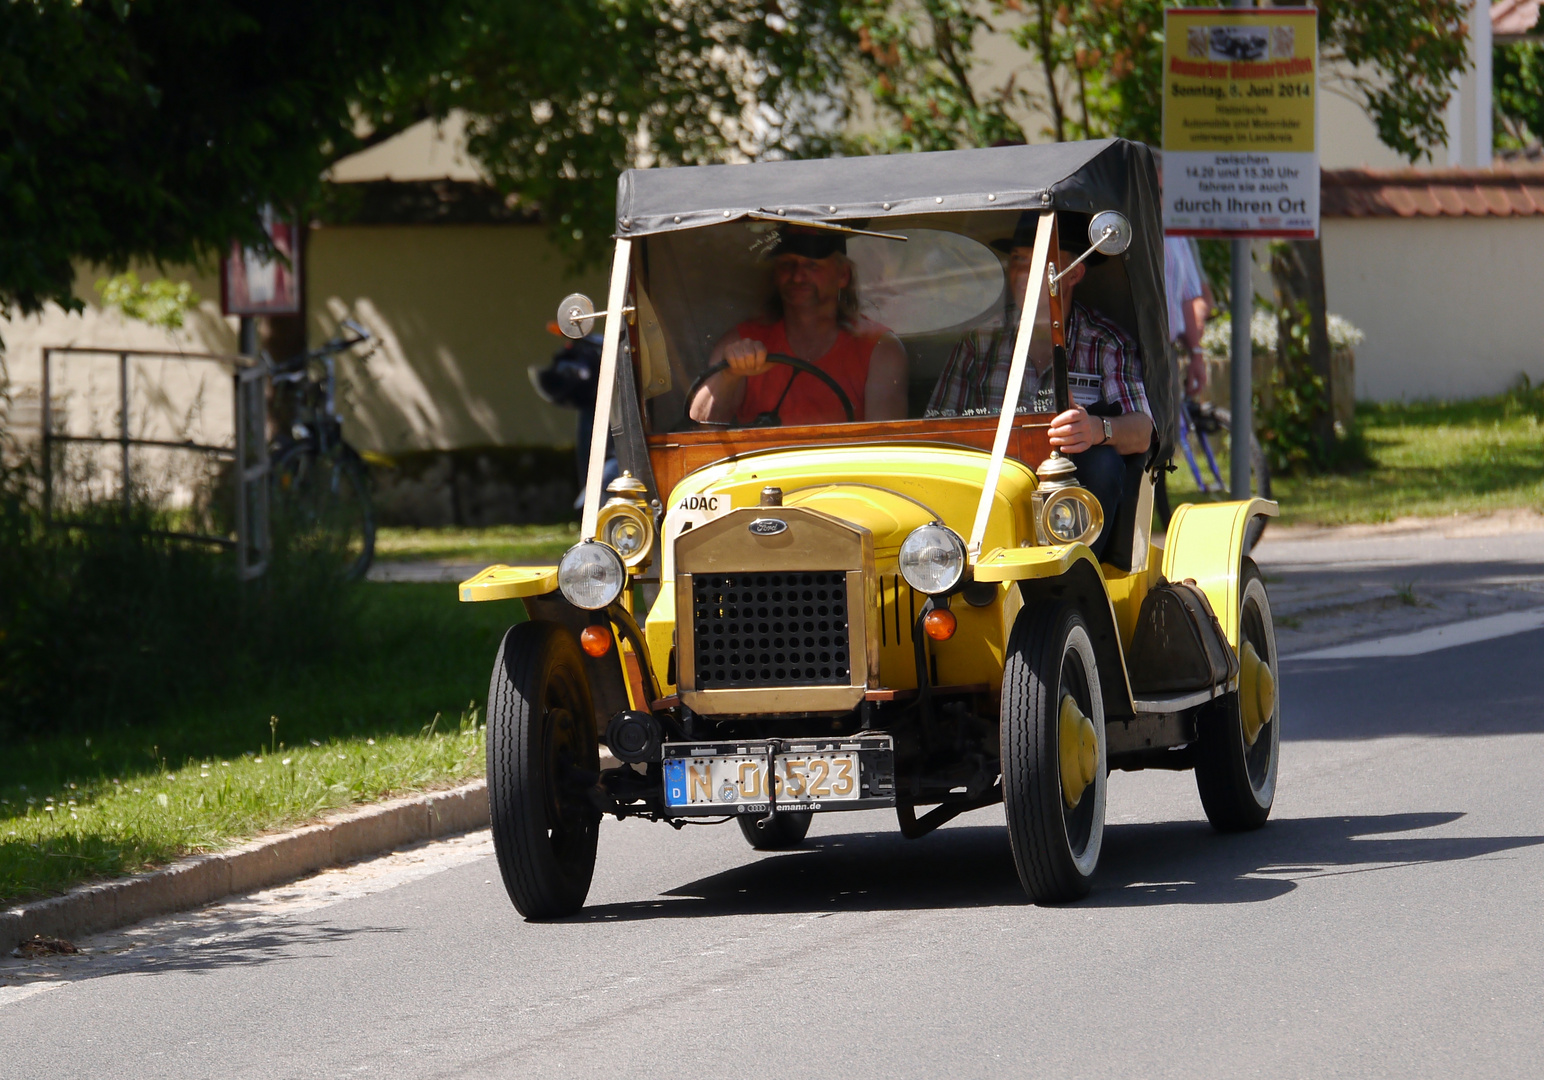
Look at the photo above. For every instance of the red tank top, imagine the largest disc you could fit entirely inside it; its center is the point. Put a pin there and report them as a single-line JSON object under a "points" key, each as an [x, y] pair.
{"points": [[809, 400]]}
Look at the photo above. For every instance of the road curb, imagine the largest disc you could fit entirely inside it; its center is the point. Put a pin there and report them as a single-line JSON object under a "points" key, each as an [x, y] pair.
{"points": [[272, 860]]}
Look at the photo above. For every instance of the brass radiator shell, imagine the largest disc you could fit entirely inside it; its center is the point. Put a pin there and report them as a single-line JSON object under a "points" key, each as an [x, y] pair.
{"points": [[809, 542]]}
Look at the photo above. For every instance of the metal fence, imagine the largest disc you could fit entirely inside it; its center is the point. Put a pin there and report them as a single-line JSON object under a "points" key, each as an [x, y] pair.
{"points": [[247, 451]]}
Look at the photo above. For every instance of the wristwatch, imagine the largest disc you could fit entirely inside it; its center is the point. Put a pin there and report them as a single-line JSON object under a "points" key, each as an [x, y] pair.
{"points": [[1109, 432]]}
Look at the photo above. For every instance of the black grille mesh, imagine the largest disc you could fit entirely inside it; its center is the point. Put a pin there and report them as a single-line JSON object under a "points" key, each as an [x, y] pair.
{"points": [[770, 629]]}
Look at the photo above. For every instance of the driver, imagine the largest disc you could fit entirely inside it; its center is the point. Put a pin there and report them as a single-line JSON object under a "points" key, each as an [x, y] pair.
{"points": [[1109, 420], [814, 317]]}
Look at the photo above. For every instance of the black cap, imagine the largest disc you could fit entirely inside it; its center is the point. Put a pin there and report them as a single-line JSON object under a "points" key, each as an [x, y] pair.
{"points": [[1071, 229], [811, 243]]}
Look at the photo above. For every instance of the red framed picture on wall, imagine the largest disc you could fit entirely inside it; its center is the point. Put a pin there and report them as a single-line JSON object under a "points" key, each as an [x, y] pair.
{"points": [[254, 282]]}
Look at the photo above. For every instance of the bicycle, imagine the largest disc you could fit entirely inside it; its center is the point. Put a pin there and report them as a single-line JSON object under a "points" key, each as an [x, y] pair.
{"points": [[321, 488], [1198, 420]]}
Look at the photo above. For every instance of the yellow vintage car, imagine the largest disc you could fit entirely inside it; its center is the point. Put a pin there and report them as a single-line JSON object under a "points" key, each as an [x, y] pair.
{"points": [[881, 530]]}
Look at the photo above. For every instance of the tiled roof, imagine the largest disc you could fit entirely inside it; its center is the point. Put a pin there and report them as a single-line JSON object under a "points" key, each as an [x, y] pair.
{"points": [[1513, 20], [1413, 193]]}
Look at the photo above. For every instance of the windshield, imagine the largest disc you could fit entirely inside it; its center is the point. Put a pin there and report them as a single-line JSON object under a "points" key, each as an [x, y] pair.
{"points": [[890, 312]]}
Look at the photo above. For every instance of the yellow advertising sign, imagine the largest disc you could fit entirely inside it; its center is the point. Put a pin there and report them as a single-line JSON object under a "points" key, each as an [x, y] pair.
{"points": [[1240, 102]]}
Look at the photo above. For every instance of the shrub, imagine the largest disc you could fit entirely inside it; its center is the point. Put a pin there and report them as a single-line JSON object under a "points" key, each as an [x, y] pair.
{"points": [[103, 624]]}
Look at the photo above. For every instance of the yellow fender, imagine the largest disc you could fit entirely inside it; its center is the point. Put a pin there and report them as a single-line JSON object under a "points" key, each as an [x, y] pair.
{"points": [[509, 582], [1205, 542], [1068, 569], [1024, 564]]}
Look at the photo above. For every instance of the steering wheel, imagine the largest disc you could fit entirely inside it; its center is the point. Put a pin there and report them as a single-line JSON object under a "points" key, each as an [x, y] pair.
{"points": [[771, 419]]}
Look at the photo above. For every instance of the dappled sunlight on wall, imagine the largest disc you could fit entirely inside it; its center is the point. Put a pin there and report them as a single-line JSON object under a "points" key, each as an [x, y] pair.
{"points": [[169, 400], [461, 313]]}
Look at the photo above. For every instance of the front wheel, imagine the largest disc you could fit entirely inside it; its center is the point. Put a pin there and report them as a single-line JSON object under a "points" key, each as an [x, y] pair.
{"points": [[543, 757], [786, 831], [1053, 753], [1238, 742]]}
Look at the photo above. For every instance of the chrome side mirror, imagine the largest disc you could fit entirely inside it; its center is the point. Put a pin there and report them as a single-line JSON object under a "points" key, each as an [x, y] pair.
{"points": [[576, 315], [1110, 234]]}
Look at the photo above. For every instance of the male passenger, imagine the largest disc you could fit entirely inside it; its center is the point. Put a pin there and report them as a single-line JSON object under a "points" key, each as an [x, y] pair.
{"points": [[814, 317], [1109, 418]]}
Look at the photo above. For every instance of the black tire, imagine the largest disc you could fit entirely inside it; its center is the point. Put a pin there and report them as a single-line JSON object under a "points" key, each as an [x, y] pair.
{"points": [[543, 756], [323, 500], [1055, 846], [1236, 779], [786, 831]]}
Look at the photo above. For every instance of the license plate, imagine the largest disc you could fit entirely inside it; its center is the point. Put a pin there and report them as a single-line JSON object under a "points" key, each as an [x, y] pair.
{"points": [[732, 778]]}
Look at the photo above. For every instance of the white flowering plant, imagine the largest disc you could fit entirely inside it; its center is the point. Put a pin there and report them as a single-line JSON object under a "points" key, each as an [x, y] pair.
{"points": [[1217, 339]]}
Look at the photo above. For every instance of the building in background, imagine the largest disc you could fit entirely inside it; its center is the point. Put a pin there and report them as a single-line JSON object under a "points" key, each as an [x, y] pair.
{"points": [[1437, 264]]}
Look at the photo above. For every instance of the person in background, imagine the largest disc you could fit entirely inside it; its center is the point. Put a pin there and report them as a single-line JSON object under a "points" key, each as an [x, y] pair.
{"points": [[569, 382], [1190, 303]]}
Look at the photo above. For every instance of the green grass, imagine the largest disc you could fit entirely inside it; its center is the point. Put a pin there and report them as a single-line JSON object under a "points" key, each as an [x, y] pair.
{"points": [[498, 543], [1429, 459], [370, 723]]}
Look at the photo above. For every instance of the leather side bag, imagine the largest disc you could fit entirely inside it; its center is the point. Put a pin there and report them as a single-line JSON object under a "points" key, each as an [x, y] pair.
{"points": [[1179, 645]]}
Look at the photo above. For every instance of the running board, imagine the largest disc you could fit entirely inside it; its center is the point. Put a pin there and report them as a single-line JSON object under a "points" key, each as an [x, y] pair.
{"points": [[1173, 703]]}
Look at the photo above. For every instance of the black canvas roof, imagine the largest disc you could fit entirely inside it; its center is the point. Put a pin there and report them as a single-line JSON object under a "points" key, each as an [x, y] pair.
{"points": [[1105, 174]]}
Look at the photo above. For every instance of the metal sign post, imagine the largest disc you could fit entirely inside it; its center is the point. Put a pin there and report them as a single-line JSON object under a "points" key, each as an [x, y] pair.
{"points": [[1241, 154]]}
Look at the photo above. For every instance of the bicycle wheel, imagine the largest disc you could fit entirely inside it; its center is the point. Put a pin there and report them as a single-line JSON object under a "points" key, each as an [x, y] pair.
{"points": [[322, 502]]}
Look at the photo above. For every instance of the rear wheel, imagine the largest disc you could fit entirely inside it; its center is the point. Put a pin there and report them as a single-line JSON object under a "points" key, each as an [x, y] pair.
{"points": [[787, 830], [543, 757], [1239, 734], [1053, 753]]}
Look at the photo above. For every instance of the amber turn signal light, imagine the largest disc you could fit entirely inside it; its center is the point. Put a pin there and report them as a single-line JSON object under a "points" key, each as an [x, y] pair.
{"points": [[596, 640], [940, 624]]}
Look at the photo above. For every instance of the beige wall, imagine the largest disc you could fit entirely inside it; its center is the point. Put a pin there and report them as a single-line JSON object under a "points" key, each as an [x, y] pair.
{"points": [[168, 400], [461, 312], [1450, 306]]}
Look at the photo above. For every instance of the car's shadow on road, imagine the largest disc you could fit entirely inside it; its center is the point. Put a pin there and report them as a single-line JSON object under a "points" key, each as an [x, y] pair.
{"points": [[1141, 865]]}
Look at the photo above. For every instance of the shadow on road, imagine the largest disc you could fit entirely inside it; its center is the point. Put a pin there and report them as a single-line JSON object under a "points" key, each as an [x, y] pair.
{"points": [[1433, 694], [230, 943], [1141, 865]]}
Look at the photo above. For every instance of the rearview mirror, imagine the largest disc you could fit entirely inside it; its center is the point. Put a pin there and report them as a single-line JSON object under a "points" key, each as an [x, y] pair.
{"points": [[576, 315], [1109, 232]]}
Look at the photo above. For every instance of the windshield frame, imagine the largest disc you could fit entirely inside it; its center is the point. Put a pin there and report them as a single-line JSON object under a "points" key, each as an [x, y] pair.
{"points": [[620, 412]]}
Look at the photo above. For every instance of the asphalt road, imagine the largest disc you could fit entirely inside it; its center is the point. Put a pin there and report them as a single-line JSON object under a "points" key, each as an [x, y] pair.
{"points": [[1388, 921]]}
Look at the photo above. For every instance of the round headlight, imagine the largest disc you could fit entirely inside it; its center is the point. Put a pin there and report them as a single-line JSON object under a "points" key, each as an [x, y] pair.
{"points": [[628, 528], [591, 575], [932, 559], [1072, 516]]}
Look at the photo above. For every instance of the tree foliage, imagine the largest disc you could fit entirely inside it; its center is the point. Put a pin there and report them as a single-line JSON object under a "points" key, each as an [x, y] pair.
{"points": [[1518, 73], [1101, 66], [562, 97], [155, 130]]}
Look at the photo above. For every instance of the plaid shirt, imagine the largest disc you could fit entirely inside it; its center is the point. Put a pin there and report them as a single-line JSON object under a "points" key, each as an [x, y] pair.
{"points": [[974, 379]]}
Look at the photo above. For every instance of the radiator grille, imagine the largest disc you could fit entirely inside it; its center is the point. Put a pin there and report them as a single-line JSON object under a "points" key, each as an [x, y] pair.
{"points": [[753, 630]]}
